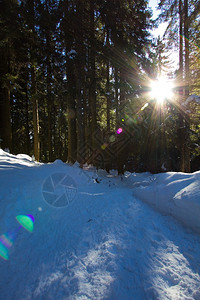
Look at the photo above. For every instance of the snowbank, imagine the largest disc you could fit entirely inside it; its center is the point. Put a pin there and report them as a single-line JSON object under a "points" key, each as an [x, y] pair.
{"points": [[10, 160], [175, 194]]}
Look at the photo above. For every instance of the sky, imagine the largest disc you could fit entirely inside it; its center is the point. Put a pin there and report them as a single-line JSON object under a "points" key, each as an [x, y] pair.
{"points": [[161, 29], [153, 4]]}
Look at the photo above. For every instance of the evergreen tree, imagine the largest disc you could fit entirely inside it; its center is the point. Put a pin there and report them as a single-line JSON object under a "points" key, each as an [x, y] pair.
{"points": [[10, 31]]}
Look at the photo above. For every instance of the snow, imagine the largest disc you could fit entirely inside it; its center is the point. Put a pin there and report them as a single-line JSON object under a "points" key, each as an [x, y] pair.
{"points": [[192, 98], [99, 238], [175, 194]]}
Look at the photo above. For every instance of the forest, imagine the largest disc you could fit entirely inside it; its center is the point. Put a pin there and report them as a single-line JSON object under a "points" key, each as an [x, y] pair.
{"points": [[76, 76]]}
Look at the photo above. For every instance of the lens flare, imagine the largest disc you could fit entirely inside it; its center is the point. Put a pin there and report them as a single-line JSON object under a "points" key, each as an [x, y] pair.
{"points": [[112, 138], [3, 252], [144, 106], [31, 217], [26, 221], [119, 130], [6, 240], [103, 147]]}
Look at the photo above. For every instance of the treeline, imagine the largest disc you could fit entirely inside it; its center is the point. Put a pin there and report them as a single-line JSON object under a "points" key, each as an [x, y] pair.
{"points": [[182, 33], [74, 76]]}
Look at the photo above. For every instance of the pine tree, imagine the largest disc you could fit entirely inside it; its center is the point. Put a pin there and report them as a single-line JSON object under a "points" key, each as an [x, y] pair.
{"points": [[9, 27], [169, 11]]}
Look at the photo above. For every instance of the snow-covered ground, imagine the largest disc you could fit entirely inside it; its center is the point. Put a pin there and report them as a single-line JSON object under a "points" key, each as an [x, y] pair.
{"points": [[93, 237]]}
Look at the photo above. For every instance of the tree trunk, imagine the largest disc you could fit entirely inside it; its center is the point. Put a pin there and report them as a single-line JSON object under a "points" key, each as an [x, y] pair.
{"points": [[79, 85], [180, 42], [49, 98], [5, 113], [35, 115], [186, 35], [117, 97], [27, 124], [34, 84], [71, 92], [187, 120], [71, 116], [180, 82], [92, 88], [108, 87], [184, 122], [72, 150]]}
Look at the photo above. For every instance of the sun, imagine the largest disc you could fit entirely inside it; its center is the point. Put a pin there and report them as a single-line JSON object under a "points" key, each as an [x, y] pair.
{"points": [[161, 89]]}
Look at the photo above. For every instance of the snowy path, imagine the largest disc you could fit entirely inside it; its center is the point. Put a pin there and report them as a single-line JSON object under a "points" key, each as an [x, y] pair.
{"points": [[105, 245]]}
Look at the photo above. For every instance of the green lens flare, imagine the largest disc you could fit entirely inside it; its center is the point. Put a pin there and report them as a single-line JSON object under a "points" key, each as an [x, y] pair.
{"points": [[112, 138], [26, 222], [3, 252]]}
